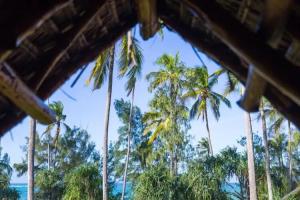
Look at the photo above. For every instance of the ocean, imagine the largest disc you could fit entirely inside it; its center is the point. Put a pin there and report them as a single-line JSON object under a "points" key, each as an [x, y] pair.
{"points": [[22, 189]]}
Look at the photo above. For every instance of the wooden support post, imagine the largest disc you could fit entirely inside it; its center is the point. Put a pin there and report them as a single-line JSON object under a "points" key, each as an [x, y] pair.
{"points": [[226, 58], [272, 66], [271, 30], [14, 89], [147, 16]]}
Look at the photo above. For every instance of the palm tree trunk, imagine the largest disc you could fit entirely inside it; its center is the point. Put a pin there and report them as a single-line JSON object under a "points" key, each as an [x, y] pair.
{"points": [[128, 146], [250, 157], [56, 134], [208, 132], [48, 151], [31, 150], [55, 140], [290, 156], [267, 156], [106, 124], [173, 96]]}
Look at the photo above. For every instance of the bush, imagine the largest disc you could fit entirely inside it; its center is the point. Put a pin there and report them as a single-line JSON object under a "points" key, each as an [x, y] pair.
{"points": [[9, 193], [154, 184], [83, 182], [49, 185]]}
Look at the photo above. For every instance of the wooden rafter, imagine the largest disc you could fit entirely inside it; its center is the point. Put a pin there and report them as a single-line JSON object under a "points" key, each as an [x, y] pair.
{"points": [[15, 90], [271, 30], [18, 26], [270, 65], [147, 16], [221, 55], [68, 40]]}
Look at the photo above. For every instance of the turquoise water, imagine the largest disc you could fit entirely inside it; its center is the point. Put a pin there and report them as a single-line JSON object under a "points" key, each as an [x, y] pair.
{"points": [[22, 189]]}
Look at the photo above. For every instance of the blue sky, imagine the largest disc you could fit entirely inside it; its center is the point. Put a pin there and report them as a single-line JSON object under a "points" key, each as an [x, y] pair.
{"points": [[88, 109]]}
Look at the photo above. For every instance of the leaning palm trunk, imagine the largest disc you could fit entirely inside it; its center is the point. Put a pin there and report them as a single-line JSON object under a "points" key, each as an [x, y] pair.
{"points": [[106, 124], [128, 146], [250, 157], [290, 156], [267, 156], [208, 132], [31, 150]]}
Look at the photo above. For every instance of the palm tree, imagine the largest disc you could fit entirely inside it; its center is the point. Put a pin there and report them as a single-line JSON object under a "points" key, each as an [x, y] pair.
{"points": [[267, 156], [5, 170], [278, 145], [290, 158], [158, 123], [277, 122], [250, 156], [58, 108], [104, 67], [31, 151], [171, 77], [130, 66], [234, 85], [200, 87]]}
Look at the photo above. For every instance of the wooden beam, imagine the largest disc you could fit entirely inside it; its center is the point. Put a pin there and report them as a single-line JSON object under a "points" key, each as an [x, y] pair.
{"points": [[86, 55], [15, 90], [147, 16], [69, 39], [227, 59], [271, 29], [272, 66], [255, 87]]}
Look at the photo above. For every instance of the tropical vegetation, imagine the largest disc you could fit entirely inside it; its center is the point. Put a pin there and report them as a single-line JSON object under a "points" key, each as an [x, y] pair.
{"points": [[155, 155]]}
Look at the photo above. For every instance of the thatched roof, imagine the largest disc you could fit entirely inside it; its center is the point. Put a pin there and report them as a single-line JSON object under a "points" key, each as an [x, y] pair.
{"points": [[45, 42]]}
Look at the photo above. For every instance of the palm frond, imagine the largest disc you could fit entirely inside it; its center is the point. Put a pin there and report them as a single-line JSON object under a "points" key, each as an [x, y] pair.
{"points": [[162, 126], [100, 70], [124, 56], [215, 107], [195, 108], [222, 98], [150, 116], [213, 80], [189, 94], [232, 84]]}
